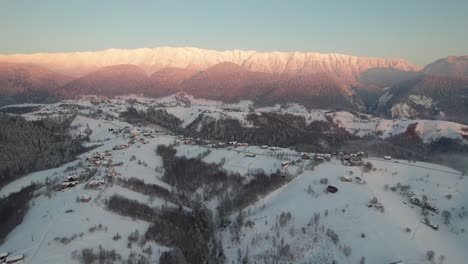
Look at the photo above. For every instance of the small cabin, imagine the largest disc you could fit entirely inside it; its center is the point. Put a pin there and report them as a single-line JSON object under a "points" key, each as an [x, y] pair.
{"points": [[346, 179], [135, 132], [387, 157], [251, 155], [305, 156], [3, 255], [285, 164], [356, 162], [69, 184], [264, 147], [319, 158], [71, 178], [14, 259], [85, 198]]}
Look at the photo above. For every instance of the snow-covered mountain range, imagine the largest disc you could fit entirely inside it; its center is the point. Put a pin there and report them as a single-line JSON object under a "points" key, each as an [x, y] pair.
{"points": [[374, 85], [152, 60]]}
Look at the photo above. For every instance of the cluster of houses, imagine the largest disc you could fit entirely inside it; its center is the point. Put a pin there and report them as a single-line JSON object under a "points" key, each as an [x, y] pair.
{"points": [[133, 132], [347, 178], [96, 183], [6, 258], [419, 201], [317, 156], [193, 141], [70, 182], [110, 171], [351, 159], [85, 198], [96, 159], [120, 147]]}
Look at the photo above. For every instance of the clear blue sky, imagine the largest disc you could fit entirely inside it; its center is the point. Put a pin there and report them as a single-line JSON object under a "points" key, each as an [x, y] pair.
{"points": [[417, 30]]}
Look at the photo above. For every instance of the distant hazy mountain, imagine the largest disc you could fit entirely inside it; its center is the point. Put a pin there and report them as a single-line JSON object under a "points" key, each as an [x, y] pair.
{"points": [[20, 78], [111, 80], [229, 81], [428, 96], [456, 66], [166, 81], [385, 77]]}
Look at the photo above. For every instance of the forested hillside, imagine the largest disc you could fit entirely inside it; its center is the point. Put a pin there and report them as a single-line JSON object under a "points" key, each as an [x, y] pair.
{"points": [[27, 146]]}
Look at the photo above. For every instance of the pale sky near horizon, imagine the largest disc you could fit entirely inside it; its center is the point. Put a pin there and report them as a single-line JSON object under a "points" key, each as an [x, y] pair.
{"points": [[416, 30]]}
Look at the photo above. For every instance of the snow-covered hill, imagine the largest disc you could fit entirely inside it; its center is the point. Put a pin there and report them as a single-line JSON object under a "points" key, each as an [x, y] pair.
{"points": [[282, 226]]}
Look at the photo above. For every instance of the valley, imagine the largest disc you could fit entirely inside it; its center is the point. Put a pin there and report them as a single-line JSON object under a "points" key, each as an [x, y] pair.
{"points": [[180, 179]]}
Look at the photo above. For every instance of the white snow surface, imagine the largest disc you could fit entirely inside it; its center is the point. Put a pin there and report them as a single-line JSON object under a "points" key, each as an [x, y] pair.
{"points": [[348, 215]]}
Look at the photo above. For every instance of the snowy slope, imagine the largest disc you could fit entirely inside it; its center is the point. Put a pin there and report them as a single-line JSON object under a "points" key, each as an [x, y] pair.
{"points": [[348, 215], [385, 238]]}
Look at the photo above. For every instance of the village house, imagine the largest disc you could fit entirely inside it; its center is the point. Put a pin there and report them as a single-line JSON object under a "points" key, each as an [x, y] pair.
{"points": [[85, 198], [111, 172], [356, 161], [71, 178], [346, 178], [69, 184], [324, 155], [305, 156], [135, 131], [319, 158], [285, 164], [121, 146], [3, 255], [14, 259]]}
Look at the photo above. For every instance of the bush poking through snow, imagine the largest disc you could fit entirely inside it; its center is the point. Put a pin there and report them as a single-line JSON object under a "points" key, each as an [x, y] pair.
{"points": [[88, 256], [368, 167], [363, 260], [117, 237], [347, 250], [446, 215], [430, 255], [333, 236], [324, 181]]}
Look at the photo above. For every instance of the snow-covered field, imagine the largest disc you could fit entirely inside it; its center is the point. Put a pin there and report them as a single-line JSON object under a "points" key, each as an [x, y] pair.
{"points": [[281, 225]]}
